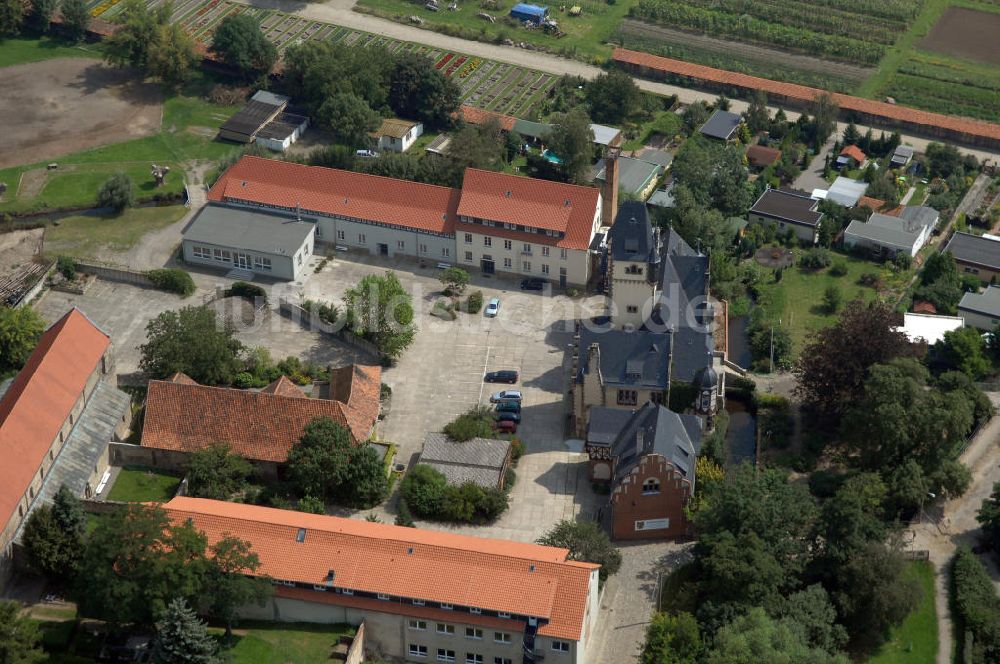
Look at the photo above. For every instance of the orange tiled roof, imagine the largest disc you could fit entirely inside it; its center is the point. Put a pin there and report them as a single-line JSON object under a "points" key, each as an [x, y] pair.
{"points": [[874, 204], [854, 152], [478, 116], [494, 575], [762, 155], [893, 112], [530, 202], [359, 388], [330, 191], [263, 426], [40, 399]]}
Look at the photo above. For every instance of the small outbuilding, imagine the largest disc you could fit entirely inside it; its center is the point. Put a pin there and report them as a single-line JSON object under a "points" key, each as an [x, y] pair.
{"points": [[635, 176], [851, 155], [396, 135], [482, 461], [902, 156], [928, 328], [762, 156], [722, 126], [531, 13], [846, 192]]}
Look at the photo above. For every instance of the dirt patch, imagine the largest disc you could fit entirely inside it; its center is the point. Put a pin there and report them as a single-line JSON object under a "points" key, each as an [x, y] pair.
{"points": [[32, 182], [966, 33], [714, 45], [775, 257], [18, 248], [65, 105]]}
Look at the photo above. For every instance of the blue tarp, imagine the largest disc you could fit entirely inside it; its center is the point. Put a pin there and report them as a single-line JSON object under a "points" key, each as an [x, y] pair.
{"points": [[526, 12]]}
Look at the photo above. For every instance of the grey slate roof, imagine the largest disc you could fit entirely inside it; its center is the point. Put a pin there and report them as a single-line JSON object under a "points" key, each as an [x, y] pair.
{"points": [[241, 228], [921, 215], [721, 125], [789, 205], [479, 460], [532, 129], [663, 197], [631, 236], [986, 303], [676, 437], [846, 191], [629, 358], [605, 424], [87, 442], [969, 248], [634, 175], [889, 231], [604, 135]]}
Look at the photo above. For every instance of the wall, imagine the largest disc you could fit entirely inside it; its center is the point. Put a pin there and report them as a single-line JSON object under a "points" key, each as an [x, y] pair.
{"points": [[575, 263], [311, 322], [978, 320], [111, 273], [356, 653], [364, 235], [806, 234], [125, 454], [629, 504], [282, 267], [630, 287], [985, 274]]}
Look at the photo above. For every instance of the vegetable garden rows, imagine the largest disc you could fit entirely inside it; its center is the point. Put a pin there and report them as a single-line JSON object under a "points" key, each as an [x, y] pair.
{"points": [[484, 83]]}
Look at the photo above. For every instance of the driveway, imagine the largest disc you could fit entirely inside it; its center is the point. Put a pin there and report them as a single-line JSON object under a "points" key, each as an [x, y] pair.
{"points": [[812, 177]]}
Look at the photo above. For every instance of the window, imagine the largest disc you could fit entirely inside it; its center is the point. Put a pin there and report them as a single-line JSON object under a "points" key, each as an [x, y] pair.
{"points": [[447, 607], [418, 651], [382, 596], [650, 486], [445, 628], [341, 235], [487, 241], [222, 255], [626, 397], [347, 591], [501, 637], [468, 256], [473, 633], [418, 602], [656, 397], [562, 254], [561, 646], [502, 660], [633, 269], [527, 248], [319, 231], [446, 655], [418, 625], [423, 248], [475, 611], [445, 251], [526, 266], [468, 238], [299, 256], [507, 263], [545, 269], [201, 252], [562, 272], [502, 614], [400, 245], [632, 309], [361, 238], [545, 251], [507, 244], [472, 658], [260, 263]]}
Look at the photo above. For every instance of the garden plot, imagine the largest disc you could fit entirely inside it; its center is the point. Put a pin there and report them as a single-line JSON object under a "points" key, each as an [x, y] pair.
{"points": [[966, 33]]}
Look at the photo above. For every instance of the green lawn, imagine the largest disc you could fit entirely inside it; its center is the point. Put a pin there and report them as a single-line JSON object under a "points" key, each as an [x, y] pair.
{"points": [[916, 640], [667, 123], [138, 484], [279, 643], [798, 298], [84, 235], [21, 50]]}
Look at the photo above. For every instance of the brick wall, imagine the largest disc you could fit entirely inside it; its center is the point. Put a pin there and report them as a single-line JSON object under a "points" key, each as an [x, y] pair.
{"points": [[631, 504]]}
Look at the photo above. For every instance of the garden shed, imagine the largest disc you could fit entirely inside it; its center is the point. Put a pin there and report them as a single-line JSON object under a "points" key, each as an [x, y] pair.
{"points": [[525, 12]]}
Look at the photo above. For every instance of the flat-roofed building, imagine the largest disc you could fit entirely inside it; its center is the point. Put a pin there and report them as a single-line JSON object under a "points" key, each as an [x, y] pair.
{"points": [[788, 209], [423, 595]]}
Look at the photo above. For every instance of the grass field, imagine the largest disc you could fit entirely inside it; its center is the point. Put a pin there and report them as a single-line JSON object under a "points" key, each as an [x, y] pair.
{"points": [[83, 236], [21, 50], [916, 640], [268, 643], [138, 484]]}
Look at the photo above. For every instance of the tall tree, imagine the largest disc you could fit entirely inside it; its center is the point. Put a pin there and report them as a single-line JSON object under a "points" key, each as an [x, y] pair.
{"points": [[241, 44], [76, 19], [834, 365], [190, 340], [419, 91], [54, 537], [381, 309], [117, 193], [672, 640], [215, 472], [183, 639], [20, 329], [172, 56], [572, 140], [137, 33], [613, 97], [586, 541], [20, 638], [41, 13], [964, 350], [756, 637], [824, 111], [326, 464], [12, 13], [349, 118], [756, 116], [234, 580], [852, 518], [476, 146], [989, 518]]}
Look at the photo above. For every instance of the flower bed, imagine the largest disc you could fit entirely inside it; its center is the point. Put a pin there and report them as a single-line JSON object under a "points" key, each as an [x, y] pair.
{"points": [[473, 66], [103, 7], [443, 61], [455, 65]]}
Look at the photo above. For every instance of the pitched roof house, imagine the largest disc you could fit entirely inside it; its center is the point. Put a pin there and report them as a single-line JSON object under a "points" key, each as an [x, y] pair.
{"points": [[721, 125], [183, 417], [788, 209], [976, 254], [332, 569], [981, 310], [762, 156], [890, 235], [851, 154]]}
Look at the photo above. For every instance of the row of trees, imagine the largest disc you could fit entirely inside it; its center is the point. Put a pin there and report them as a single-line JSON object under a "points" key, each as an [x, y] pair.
{"points": [[17, 15]]}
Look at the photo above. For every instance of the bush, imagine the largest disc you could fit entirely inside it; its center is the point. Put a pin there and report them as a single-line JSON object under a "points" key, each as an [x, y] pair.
{"points": [[476, 423], [815, 259], [116, 193], [903, 261], [66, 266], [426, 492], [516, 450], [976, 607], [244, 380], [327, 313], [312, 505], [509, 480], [443, 311], [404, 518], [172, 280], [247, 290], [870, 279], [474, 303], [839, 269], [384, 392]]}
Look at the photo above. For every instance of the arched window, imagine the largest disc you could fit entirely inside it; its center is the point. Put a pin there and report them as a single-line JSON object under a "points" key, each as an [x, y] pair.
{"points": [[651, 486]]}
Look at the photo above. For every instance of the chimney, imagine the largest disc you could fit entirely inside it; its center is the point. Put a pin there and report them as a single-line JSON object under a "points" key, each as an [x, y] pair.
{"points": [[609, 195], [639, 439]]}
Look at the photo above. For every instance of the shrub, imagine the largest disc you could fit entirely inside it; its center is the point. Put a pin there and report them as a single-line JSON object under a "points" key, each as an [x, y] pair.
{"points": [[815, 259], [902, 261], [404, 518], [244, 380], [870, 279], [509, 480], [476, 423], [474, 303], [247, 290], [976, 606], [839, 269], [116, 193], [66, 266], [312, 505], [443, 311], [327, 313], [384, 392], [516, 450], [426, 492], [172, 280]]}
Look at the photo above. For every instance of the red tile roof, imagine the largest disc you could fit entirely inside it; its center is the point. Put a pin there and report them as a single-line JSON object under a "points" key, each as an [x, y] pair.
{"points": [[330, 191], [555, 206], [854, 152], [41, 398], [762, 155], [359, 388], [478, 116], [494, 575], [892, 112], [874, 204], [263, 426]]}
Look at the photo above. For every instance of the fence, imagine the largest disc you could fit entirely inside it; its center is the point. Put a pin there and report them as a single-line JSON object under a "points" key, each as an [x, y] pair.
{"points": [[115, 273], [922, 554], [311, 321]]}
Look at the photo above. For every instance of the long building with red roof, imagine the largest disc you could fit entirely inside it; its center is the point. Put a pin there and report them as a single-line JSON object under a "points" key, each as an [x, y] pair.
{"points": [[935, 125], [430, 595], [495, 222]]}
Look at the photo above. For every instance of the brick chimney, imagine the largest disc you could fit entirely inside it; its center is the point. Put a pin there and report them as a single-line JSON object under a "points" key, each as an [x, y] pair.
{"points": [[609, 195]]}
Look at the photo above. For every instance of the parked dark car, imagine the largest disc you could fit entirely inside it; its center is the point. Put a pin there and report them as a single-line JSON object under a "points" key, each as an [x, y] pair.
{"points": [[503, 376], [533, 284], [505, 416], [505, 426], [509, 407]]}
